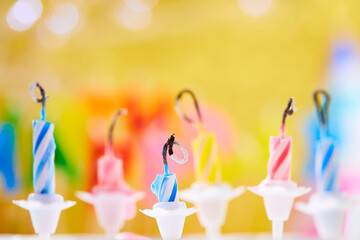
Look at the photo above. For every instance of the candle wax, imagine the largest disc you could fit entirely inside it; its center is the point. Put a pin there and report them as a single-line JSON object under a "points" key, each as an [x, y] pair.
{"points": [[110, 173], [44, 154], [327, 165], [207, 164], [165, 188], [280, 158]]}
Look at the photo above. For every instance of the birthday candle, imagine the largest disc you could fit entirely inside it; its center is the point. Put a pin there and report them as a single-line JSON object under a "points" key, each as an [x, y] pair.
{"points": [[43, 149], [207, 164], [206, 161], [110, 169], [165, 185], [326, 160], [280, 150]]}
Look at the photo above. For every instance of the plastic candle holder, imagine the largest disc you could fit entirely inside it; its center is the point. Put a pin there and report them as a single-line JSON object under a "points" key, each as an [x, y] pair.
{"points": [[277, 190], [169, 212], [44, 205], [327, 206], [114, 201], [209, 193]]}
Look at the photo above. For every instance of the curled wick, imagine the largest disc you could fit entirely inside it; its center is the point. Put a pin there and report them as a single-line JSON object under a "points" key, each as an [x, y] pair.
{"points": [[42, 99]]}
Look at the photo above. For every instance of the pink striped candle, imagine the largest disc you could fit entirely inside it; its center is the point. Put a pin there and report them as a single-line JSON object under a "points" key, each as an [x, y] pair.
{"points": [[279, 164], [280, 157], [110, 173]]}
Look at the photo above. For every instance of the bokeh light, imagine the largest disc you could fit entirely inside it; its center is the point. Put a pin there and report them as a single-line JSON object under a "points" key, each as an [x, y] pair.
{"points": [[64, 19], [255, 7], [131, 19], [141, 5], [23, 14]]}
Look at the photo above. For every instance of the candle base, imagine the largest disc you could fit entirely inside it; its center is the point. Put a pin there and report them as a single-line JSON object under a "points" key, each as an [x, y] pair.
{"points": [[170, 218], [44, 211], [112, 208], [277, 230], [328, 212], [211, 200], [278, 199]]}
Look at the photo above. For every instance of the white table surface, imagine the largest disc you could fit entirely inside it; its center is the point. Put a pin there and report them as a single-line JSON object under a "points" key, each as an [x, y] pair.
{"points": [[195, 237]]}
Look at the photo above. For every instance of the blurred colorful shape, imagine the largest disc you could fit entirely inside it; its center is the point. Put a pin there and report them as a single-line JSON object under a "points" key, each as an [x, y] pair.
{"points": [[7, 157]]}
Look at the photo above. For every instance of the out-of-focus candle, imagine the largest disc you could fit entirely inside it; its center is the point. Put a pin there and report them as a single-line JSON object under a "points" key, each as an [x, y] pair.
{"points": [[326, 160], [110, 172], [205, 148]]}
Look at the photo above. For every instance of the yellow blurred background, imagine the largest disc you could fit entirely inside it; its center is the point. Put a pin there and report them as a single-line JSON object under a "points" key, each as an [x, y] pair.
{"points": [[243, 60]]}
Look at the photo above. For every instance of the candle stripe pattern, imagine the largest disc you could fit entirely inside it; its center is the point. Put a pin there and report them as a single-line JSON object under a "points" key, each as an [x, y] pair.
{"points": [[327, 166], [280, 158], [43, 154], [110, 173], [165, 188], [207, 164]]}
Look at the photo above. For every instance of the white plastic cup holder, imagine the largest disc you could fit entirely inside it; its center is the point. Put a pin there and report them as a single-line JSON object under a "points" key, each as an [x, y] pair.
{"points": [[170, 227], [328, 212], [170, 218], [329, 224], [110, 208], [278, 208], [211, 215], [44, 211], [212, 202], [278, 199]]}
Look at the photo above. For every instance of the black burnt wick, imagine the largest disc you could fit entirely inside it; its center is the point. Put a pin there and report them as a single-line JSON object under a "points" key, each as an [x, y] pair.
{"points": [[289, 110], [168, 145]]}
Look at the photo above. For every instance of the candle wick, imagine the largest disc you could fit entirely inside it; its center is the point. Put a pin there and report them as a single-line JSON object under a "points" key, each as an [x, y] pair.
{"points": [[168, 145], [322, 109], [182, 114], [168, 148], [42, 99], [288, 111], [109, 147]]}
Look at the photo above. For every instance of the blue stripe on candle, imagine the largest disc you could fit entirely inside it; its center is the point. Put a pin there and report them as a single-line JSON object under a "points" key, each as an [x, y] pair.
{"points": [[327, 157], [330, 186], [45, 158], [163, 188], [41, 136], [48, 188], [173, 193]]}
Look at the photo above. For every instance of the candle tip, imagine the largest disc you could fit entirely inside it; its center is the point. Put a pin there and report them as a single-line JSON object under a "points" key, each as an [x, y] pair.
{"points": [[182, 114], [168, 148], [121, 112], [290, 109], [322, 107], [42, 99]]}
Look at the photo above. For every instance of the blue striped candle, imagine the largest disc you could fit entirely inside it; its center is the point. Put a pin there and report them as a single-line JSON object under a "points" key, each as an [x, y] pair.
{"points": [[43, 153], [165, 188], [327, 165]]}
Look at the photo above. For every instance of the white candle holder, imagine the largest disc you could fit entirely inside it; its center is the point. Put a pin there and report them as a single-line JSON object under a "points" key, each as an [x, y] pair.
{"points": [[278, 199], [170, 218], [212, 201], [111, 207], [328, 212], [44, 211]]}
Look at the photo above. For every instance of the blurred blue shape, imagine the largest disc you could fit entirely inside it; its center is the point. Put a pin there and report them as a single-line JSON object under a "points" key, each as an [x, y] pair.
{"points": [[343, 84], [7, 157]]}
